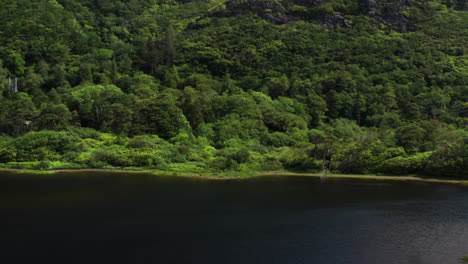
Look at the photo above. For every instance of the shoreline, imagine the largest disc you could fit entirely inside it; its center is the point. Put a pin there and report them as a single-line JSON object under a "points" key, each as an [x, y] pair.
{"points": [[416, 179], [220, 176]]}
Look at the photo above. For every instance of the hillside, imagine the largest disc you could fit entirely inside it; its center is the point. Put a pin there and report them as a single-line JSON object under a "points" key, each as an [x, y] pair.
{"points": [[373, 86]]}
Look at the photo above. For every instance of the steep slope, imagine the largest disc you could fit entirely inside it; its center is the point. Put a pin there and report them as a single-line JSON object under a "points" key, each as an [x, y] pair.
{"points": [[374, 85]]}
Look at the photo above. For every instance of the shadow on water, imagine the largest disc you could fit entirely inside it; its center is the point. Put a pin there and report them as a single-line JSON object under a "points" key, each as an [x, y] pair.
{"points": [[101, 217]]}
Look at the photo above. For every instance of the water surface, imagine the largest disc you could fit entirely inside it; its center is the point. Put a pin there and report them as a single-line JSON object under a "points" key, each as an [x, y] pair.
{"points": [[136, 218]]}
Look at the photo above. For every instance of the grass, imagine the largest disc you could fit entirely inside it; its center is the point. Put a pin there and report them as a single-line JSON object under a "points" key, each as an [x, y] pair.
{"points": [[408, 178], [20, 165], [40, 165], [196, 170], [464, 259], [189, 167], [38, 172]]}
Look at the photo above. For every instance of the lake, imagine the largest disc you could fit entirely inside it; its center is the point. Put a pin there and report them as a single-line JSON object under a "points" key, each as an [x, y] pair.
{"points": [[99, 217]]}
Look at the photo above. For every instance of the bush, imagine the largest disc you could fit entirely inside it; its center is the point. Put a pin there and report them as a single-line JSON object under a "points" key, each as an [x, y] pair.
{"points": [[241, 155], [45, 144], [110, 156], [449, 160], [146, 159], [222, 164], [43, 165], [84, 132], [7, 154], [142, 142], [276, 139], [356, 158], [202, 153], [299, 138], [295, 159], [392, 153], [88, 143], [267, 165], [405, 165]]}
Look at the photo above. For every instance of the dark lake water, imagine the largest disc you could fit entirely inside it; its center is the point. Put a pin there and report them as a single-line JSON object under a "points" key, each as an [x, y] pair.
{"points": [[118, 218]]}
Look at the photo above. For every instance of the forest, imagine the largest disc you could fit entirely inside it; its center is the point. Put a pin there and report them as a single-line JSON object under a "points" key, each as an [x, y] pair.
{"points": [[236, 86]]}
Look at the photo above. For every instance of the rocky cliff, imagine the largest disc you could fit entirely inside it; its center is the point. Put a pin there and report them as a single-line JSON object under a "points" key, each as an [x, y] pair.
{"points": [[329, 13]]}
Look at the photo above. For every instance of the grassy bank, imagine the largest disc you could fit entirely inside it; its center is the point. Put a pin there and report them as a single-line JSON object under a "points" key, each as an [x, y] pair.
{"points": [[373, 177], [239, 175]]}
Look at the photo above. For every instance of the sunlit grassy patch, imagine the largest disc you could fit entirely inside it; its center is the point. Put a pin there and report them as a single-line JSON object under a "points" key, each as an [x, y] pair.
{"points": [[41, 172], [189, 167]]}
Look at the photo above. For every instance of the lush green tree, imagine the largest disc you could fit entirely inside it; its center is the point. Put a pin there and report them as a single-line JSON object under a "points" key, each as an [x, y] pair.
{"points": [[18, 114], [160, 116], [102, 107], [53, 117]]}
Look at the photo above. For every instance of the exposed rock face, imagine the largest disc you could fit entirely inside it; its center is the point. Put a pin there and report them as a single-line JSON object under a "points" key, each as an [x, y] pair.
{"points": [[274, 12], [281, 11], [326, 19], [389, 14], [331, 20], [308, 3], [189, 1]]}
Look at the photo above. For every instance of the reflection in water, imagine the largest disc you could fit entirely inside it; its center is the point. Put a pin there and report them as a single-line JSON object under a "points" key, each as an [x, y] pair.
{"points": [[138, 218]]}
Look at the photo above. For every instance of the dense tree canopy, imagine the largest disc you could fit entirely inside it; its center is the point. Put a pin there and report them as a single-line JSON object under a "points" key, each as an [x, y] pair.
{"points": [[235, 85]]}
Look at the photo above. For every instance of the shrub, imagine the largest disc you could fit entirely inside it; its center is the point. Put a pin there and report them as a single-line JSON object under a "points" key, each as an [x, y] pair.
{"points": [[88, 143], [142, 142], [449, 160], [45, 144], [405, 165], [276, 139], [223, 163], [7, 154], [43, 165], [240, 155], [84, 132], [392, 153], [202, 153], [110, 156], [299, 138], [267, 165], [356, 158], [146, 159], [295, 159]]}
